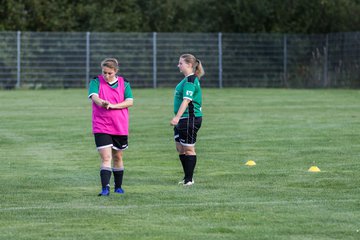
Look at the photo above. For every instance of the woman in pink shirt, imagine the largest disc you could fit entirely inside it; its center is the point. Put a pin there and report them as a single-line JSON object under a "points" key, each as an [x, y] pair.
{"points": [[111, 97]]}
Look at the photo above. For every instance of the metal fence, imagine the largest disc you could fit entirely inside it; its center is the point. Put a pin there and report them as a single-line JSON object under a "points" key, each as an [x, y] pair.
{"points": [[71, 59]]}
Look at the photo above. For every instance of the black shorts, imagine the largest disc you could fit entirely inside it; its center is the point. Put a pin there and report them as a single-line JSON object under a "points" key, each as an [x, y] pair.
{"points": [[185, 131], [116, 142]]}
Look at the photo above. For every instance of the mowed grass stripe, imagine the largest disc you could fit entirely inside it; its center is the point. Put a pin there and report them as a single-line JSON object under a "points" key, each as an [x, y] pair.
{"points": [[177, 205]]}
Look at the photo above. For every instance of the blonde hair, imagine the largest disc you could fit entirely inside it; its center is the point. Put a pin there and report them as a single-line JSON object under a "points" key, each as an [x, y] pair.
{"points": [[110, 63], [195, 62]]}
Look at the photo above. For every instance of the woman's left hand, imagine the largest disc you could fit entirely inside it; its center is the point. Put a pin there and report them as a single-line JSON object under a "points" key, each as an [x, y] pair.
{"points": [[105, 104]]}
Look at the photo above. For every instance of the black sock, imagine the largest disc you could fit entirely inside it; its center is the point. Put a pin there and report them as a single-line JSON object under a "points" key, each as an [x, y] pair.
{"points": [[105, 175], [182, 158], [190, 163], [118, 177]]}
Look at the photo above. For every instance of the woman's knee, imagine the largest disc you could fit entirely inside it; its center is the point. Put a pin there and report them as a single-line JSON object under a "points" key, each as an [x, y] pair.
{"points": [[189, 151], [117, 156], [105, 157], [179, 148]]}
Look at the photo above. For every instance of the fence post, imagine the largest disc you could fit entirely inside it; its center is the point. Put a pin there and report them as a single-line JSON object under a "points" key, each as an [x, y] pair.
{"points": [[285, 61], [87, 59], [220, 59], [18, 42], [326, 49], [154, 61]]}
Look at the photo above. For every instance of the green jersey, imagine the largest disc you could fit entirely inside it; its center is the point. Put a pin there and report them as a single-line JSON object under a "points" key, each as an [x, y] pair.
{"points": [[95, 83], [189, 88]]}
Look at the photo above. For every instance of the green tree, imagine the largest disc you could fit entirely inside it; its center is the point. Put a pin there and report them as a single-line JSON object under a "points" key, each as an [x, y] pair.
{"points": [[105, 16], [290, 16]]}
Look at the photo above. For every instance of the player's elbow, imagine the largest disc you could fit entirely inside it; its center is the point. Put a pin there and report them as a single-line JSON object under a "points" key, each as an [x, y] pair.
{"points": [[129, 102]]}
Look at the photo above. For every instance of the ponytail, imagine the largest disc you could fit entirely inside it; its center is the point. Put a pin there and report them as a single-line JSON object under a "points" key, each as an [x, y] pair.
{"points": [[199, 70]]}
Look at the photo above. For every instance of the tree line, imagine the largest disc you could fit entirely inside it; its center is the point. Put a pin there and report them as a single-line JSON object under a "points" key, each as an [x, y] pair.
{"points": [[250, 16]]}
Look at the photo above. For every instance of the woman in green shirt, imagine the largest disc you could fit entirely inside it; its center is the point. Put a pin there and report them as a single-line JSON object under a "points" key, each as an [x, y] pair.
{"points": [[188, 114]]}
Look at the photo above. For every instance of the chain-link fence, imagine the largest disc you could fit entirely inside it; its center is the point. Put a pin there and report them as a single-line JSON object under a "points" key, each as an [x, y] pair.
{"points": [[70, 60]]}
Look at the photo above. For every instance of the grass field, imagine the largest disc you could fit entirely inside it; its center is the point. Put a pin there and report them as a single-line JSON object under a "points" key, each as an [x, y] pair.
{"points": [[49, 172]]}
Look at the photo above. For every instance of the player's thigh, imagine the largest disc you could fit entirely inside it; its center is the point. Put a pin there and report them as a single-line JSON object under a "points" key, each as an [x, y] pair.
{"points": [[105, 154], [187, 129], [117, 155]]}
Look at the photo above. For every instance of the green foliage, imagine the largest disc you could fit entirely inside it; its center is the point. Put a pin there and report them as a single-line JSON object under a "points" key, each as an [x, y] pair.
{"points": [[320, 16], [291, 16], [49, 173]]}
